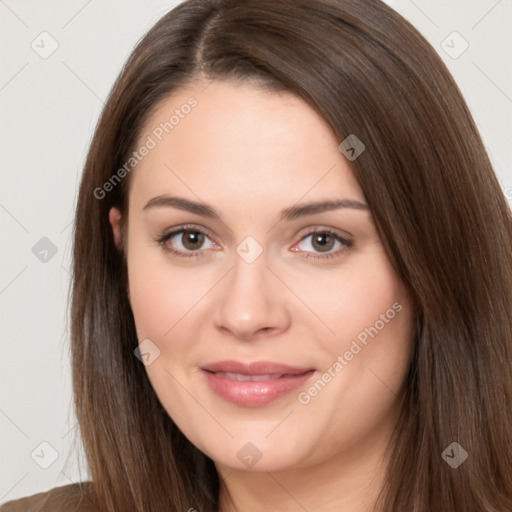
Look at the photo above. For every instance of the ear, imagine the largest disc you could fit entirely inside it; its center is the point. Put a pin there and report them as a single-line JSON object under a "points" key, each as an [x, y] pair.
{"points": [[114, 217]]}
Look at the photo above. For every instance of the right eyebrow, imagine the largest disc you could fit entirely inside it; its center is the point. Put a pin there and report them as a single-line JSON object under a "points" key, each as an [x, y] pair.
{"points": [[182, 204]]}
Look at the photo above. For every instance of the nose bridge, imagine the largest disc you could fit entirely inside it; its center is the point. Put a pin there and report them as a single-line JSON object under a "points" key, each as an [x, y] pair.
{"points": [[250, 271], [252, 298]]}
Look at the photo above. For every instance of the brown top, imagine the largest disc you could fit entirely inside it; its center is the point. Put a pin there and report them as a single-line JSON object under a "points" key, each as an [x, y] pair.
{"points": [[68, 498]]}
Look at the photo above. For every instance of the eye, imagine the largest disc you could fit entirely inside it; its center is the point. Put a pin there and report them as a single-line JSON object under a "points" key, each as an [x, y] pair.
{"points": [[189, 242], [186, 242], [322, 242]]}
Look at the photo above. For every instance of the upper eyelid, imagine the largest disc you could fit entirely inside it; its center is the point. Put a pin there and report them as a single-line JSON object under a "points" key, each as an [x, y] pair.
{"points": [[335, 232], [180, 229], [307, 232]]}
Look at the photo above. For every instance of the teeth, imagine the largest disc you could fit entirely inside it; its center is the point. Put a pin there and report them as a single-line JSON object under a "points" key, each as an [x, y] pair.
{"points": [[240, 377]]}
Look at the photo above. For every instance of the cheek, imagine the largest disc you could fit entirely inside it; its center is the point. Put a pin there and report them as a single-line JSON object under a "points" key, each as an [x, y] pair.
{"points": [[160, 293], [351, 298], [368, 324]]}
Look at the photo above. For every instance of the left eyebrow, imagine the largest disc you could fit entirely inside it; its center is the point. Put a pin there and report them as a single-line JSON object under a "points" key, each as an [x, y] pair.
{"points": [[295, 212], [291, 213]]}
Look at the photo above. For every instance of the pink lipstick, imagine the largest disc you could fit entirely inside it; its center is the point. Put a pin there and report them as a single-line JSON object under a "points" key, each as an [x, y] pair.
{"points": [[254, 384]]}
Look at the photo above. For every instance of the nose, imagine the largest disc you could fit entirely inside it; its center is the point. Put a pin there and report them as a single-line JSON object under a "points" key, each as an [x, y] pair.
{"points": [[251, 301]]}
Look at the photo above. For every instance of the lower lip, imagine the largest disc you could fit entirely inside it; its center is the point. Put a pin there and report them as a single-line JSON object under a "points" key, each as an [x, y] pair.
{"points": [[255, 393]]}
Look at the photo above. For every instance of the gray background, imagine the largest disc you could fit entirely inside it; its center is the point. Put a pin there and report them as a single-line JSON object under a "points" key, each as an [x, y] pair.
{"points": [[49, 107]]}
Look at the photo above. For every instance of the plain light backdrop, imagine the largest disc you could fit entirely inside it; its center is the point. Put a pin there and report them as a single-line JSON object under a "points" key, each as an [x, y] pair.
{"points": [[58, 62]]}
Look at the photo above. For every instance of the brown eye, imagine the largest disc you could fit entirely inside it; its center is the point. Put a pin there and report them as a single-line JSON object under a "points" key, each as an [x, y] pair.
{"points": [[322, 242], [192, 240], [186, 242]]}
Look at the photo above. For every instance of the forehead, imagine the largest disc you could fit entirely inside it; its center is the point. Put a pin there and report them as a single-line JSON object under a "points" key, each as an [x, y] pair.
{"points": [[229, 141]]}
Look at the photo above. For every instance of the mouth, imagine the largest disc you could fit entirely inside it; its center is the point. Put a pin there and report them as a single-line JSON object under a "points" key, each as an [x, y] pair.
{"points": [[254, 378], [254, 384]]}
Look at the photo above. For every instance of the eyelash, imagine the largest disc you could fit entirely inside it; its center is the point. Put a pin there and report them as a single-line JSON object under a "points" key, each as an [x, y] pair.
{"points": [[162, 240]]}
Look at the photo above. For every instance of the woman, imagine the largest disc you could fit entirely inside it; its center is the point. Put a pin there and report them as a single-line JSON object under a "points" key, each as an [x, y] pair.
{"points": [[292, 274]]}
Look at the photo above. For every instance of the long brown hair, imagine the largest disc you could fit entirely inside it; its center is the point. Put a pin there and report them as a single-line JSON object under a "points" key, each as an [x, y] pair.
{"points": [[438, 207]]}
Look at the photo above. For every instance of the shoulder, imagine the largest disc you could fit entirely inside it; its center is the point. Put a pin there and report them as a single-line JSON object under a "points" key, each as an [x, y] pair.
{"points": [[68, 498]]}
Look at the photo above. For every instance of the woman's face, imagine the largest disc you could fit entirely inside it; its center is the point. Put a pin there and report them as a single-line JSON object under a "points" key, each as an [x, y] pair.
{"points": [[278, 335]]}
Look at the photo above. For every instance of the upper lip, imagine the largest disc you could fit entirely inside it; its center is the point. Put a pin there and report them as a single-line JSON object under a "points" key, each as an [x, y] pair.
{"points": [[255, 368]]}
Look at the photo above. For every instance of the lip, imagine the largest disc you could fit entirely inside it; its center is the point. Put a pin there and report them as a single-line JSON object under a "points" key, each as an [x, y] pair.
{"points": [[278, 380]]}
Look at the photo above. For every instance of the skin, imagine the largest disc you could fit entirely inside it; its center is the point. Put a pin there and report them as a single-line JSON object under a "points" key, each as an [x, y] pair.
{"points": [[249, 154]]}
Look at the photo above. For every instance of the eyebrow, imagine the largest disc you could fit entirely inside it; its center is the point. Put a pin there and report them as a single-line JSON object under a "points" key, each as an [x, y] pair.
{"points": [[291, 213]]}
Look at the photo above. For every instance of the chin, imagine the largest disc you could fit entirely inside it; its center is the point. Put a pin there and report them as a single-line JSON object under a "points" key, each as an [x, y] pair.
{"points": [[257, 457]]}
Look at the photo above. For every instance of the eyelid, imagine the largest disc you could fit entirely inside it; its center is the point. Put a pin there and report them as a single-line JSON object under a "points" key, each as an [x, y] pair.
{"points": [[172, 232], [321, 228], [169, 233], [347, 242]]}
